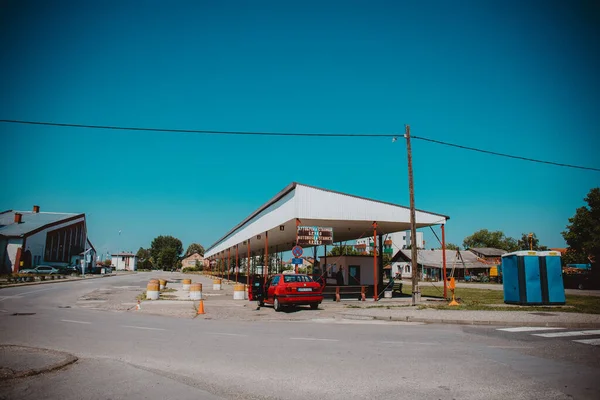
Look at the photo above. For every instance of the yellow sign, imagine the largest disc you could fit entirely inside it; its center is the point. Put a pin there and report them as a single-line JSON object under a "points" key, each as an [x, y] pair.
{"points": [[494, 271]]}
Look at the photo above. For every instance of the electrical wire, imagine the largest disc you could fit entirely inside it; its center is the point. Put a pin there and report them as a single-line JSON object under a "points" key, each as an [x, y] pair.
{"points": [[394, 137]]}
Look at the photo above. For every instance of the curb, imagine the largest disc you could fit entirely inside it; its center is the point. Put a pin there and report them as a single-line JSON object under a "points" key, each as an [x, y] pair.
{"points": [[68, 359], [478, 322], [54, 281]]}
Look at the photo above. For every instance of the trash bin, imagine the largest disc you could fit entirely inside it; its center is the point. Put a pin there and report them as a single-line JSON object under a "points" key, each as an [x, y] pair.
{"points": [[532, 278]]}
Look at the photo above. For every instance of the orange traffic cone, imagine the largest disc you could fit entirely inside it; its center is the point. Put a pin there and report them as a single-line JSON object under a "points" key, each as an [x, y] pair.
{"points": [[201, 307]]}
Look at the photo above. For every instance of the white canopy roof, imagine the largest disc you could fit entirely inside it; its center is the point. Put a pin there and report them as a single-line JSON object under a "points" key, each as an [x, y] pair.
{"points": [[351, 217]]}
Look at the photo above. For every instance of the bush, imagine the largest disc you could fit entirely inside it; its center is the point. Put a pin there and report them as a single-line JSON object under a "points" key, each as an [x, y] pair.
{"points": [[192, 269]]}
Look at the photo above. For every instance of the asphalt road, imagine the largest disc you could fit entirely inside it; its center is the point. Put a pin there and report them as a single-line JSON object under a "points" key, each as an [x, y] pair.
{"points": [[136, 356]]}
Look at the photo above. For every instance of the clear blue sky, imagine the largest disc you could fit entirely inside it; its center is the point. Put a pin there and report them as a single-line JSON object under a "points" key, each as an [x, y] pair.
{"points": [[508, 76]]}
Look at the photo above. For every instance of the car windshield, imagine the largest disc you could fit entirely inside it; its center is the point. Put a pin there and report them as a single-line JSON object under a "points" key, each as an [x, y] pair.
{"points": [[297, 278]]}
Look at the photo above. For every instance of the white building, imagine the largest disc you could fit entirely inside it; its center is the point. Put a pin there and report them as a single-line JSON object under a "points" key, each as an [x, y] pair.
{"points": [[400, 240], [124, 261], [32, 238]]}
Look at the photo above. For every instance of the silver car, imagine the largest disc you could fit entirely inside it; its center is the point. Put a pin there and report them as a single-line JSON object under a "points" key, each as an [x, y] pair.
{"points": [[41, 269]]}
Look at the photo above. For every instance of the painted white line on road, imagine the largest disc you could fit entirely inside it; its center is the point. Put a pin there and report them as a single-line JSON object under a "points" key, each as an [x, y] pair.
{"points": [[316, 339], [510, 347], [16, 296], [144, 327], [75, 322], [225, 334], [411, 343], [528, 329], [593, 342], [566, 334]]}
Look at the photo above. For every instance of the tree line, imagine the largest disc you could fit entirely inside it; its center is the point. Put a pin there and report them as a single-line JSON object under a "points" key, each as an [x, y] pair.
{"points": [[166, 253]]}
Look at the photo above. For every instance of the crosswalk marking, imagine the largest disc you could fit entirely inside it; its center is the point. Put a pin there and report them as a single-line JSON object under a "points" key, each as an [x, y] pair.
{"points": [[528, 329], [593, 342], [566, 334]]}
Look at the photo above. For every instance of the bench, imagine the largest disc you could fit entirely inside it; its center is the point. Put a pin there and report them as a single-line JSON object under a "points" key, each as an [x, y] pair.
{"points": [[338, 292], [397, 288]]}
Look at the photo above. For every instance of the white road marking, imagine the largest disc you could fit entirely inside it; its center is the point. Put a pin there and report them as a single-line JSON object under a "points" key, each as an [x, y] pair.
{"points": [[225, 334], [566, 334], [16, 296], [528, 329], [144, 327], [412, 343], [76, 322], [593, 342], [322, 340], [510, 347]]}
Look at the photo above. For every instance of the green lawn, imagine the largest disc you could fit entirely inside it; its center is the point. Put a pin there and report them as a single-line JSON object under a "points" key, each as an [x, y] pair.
{"points": [[488, 299]]}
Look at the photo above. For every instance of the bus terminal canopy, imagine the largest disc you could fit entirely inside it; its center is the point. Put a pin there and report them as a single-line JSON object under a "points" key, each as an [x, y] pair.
{"points": [[351, 217]]}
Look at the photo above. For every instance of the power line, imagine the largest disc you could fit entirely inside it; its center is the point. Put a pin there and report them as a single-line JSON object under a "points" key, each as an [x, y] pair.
{"points": [[292, 134], [207, 132], [504, 154]]}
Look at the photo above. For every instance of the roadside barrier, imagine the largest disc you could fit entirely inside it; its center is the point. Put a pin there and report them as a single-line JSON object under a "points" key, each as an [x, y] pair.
{"points": [[216, 284], [163, 284], [186, 285], [152, 292], [196, 291], [239, 292]]}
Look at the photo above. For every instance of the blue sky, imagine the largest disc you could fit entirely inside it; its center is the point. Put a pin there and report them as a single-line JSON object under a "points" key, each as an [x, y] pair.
{"points": [[508, 76]]}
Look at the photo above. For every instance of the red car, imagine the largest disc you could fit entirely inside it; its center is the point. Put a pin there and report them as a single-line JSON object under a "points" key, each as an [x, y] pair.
{"points": [[292, 290]]}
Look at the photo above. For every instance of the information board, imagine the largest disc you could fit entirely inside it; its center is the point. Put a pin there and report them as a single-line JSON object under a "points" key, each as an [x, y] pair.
{"points": [[314, 236]]}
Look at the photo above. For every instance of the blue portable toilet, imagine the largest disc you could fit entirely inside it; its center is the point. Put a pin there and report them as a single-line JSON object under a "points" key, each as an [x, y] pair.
{"points": [[532, 278]]}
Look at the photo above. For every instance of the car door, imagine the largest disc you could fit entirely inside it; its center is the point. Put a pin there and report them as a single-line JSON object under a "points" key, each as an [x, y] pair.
{"points": [[274, 282]]}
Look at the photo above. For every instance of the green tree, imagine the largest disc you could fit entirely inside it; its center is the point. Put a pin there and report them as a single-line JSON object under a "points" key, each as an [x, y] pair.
{"points": [[159, 254], [143, 254], [168, 258], [343, 250], [485, 238], [194, 248], [107, 262], [583, 234], [530, 243]]}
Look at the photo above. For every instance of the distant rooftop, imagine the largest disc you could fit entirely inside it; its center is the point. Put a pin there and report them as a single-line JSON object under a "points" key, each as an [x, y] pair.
{"points": [[488, 251], [30, 221]]}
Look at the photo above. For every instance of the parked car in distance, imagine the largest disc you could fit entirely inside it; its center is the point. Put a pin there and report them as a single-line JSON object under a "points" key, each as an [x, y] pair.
{"points": [[71, 269], [40, 269], [292, 290]]}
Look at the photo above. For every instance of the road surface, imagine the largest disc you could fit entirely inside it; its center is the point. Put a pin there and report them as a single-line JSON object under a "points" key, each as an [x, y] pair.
{"points": [[136, 356]]}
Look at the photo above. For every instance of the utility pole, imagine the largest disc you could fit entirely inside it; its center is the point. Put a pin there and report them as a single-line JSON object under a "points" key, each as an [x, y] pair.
{"points": [[413, 228]]}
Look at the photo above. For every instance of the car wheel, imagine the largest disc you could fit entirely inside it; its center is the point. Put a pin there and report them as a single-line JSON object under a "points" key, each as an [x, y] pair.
{"points": [[580, 286], [276, 304], [314, 306]]}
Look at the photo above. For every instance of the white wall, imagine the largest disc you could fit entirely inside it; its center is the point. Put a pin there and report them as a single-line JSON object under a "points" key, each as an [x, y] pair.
{"points": [[11, 251], [365, 264], [119, 263]]}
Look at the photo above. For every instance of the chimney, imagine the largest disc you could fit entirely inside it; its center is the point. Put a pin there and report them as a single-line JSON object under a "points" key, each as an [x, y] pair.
{"points": [[18, 218], [36, 209]]}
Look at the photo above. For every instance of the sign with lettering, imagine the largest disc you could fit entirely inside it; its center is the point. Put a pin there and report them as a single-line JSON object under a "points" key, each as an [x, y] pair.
{"points": [[314, 236]]}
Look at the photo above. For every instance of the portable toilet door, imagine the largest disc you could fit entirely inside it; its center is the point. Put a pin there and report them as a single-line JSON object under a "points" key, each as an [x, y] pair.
{"points": [[521, 278], [553, 288]]}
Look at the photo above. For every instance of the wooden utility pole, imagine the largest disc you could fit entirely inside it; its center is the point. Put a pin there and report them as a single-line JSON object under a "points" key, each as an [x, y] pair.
{"points": [[413, 227]]}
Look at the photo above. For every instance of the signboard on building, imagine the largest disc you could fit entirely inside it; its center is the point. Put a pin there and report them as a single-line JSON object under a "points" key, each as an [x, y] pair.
{"points": [[314, 236]]}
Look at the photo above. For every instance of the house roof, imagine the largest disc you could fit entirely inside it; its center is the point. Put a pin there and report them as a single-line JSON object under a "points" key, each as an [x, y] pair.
{"points": [[31, 221], [489, 251], [349, 216], [433, 258]]}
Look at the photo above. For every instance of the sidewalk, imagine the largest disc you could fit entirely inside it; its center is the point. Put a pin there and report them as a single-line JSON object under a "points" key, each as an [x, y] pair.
{"points": [[220, 305]]}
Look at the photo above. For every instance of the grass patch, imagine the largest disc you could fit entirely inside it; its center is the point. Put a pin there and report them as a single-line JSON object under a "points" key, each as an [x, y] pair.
{"points": [[141, 296], [493, 300], [167, 296], [168, 290]]}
